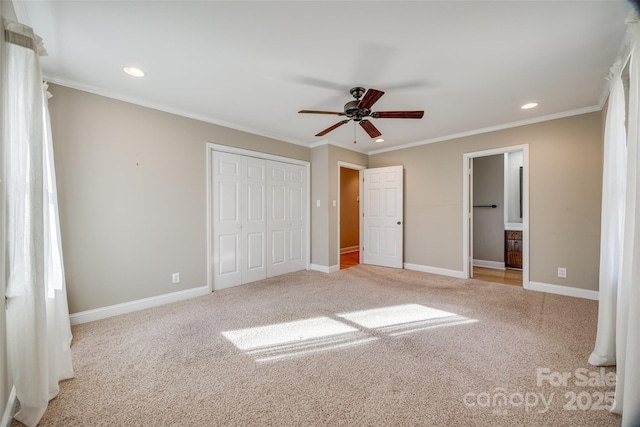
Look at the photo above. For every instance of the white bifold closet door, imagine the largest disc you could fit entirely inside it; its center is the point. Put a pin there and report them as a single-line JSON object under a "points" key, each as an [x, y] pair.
{"points": [[239, 234], [259, 219], [286, 218]]}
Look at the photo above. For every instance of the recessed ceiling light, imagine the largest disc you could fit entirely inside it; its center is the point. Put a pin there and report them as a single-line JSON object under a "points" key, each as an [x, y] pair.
{"points": [[529, 105], [380, 140], [133, 71]]}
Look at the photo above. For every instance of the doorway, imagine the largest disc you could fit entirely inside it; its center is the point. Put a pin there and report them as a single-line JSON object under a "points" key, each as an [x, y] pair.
{"points": [[493, 208], [380, 215], [349, 190]]}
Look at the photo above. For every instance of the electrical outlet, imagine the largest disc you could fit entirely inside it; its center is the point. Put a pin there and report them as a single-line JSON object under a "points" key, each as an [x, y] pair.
{"points": [[562, 272], [175, 278]]}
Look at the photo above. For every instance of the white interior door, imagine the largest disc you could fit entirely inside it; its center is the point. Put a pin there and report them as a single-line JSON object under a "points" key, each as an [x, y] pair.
{"points": [[253, 210], [227, 221], [383, 217], [277, 219], [297, 213], [286, 218], [239, 221]]}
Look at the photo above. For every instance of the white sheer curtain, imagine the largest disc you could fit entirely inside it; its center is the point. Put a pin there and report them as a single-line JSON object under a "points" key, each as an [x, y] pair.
{"points": [[38, 329], [613, 195], [618, 339], [627, 400]]}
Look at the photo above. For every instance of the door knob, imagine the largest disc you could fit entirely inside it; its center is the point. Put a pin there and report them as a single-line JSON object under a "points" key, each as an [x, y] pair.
{"points": [[399, 222]]}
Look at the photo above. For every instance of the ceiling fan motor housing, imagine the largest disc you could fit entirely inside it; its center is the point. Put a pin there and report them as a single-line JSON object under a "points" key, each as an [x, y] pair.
{"points": [[357, 92], [352, 111]]}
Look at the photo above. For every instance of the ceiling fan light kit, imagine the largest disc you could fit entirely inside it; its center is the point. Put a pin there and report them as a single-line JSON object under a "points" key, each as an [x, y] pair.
{"points": [[360, 108]]}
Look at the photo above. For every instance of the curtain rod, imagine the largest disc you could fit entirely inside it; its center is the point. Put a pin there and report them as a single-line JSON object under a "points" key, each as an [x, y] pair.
{"points": [[20, 40]]}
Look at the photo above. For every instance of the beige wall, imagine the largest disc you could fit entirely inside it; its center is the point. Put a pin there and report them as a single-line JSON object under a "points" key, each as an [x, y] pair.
{"points": [[324, 219], [565, 161], [132, 194], [349, 208], [320, 214], [488, 223]]}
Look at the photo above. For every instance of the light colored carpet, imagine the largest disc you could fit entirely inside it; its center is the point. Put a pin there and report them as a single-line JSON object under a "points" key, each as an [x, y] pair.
{"points": [[363, 346]]}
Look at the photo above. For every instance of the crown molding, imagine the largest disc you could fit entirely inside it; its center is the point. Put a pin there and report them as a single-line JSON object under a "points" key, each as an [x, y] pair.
{"points": [[510, 125], [335, 144], [319, 143], [161, 107]]}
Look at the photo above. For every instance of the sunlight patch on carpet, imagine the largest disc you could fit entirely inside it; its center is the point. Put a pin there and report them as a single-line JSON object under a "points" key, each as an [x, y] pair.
{"points": [[291, 339], [403, 319], [426, 325], [319, 334], [394, 315]]}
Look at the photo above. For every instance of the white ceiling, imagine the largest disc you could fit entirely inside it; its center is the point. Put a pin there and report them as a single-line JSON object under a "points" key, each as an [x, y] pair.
{"points": [[253, 65]]}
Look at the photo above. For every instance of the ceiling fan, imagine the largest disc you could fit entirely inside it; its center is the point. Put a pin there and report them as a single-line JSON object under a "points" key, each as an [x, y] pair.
{"points": [[359, 109]]}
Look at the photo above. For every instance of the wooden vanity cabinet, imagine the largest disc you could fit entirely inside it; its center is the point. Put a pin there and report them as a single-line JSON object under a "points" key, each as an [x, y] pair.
{"points": [[513, 249]]}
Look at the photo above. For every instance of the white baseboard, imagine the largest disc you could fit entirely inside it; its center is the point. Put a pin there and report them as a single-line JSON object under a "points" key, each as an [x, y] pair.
{"points": [[435, 270], [7, 416], [563, 290], [349, 249], [218, 287], [324, 269], [489, 264], [141, 304]]}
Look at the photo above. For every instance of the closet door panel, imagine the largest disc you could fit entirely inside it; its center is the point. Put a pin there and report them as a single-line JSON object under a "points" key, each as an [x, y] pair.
{"points": [[286, 223], [277, 209], [227, 219], [295, 246], [278, 247], [296, 219], [228, 260], [253, 198], [255, 252]]}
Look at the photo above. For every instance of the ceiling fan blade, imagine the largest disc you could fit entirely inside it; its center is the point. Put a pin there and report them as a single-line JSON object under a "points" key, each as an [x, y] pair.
{"points": [[370, 98], [320, 112], [330, 128], [398, 114], [370, 128]]}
